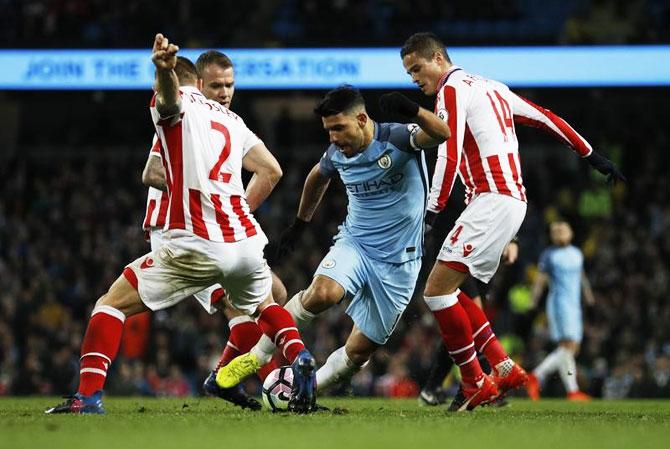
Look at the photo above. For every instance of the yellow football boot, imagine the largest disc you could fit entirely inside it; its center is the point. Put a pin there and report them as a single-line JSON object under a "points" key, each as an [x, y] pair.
{"points": [[237, 370]]}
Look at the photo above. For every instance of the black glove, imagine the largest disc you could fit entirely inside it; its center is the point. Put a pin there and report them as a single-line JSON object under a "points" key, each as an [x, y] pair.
{"points": [[397, 103], [288, 239], [606, 167], [430, 219]]}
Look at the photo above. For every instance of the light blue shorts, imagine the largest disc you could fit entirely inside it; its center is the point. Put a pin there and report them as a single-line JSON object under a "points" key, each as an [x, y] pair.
{"points": [[565, 320], [379, 291]]}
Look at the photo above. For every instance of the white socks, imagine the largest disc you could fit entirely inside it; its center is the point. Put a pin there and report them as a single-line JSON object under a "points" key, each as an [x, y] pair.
{"points": [[337, 368], [264, 350], [563, 361], [568, 371], [297, 310]]}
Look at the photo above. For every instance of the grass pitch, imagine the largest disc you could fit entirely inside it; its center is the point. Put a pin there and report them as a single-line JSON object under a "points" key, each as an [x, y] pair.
{"points": [[201, 423]]}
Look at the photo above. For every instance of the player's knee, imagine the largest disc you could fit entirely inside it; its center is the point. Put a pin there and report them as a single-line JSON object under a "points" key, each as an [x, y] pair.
{"points": [[123, 297], [279, 292], [435, 289], [323, 294], [358, 356], [570, 345]]}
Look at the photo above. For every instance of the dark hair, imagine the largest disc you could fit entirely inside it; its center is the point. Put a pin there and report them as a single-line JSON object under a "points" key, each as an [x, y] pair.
{"points": [[341, 99], [212, 57], [185, 70], [424, 45]]}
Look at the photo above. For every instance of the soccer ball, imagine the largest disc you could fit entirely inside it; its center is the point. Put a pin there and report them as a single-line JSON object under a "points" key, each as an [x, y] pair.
{"points": [[277, 388]]}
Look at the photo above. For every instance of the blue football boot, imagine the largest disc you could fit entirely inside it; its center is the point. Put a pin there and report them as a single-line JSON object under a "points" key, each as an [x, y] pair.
{"points": [[80, 404], [303, 393], [235, 395]]}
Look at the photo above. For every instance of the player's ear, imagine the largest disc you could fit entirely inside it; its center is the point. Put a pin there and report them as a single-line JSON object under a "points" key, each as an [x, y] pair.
{"points": [[362, 119], [200, 84], [437, 57]]}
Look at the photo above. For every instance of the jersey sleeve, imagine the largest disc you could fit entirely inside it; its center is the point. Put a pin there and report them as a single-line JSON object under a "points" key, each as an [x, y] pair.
{"points": [[172, 120], [451, 105], [403, 137], [529, 114], [326, 167], [250, 141], [156, 147]]}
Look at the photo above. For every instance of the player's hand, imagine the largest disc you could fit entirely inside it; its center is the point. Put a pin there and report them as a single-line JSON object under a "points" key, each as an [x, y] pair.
{"points": [[288, 239], [510, 253], [606, 167], [429, 221], [397, 103], [163, 53]]}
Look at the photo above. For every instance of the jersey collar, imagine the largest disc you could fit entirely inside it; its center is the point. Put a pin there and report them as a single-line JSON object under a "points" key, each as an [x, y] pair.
{"points": [[446, 76], [190, 89]]}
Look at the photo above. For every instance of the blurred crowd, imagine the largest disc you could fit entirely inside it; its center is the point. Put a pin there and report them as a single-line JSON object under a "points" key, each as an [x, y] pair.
{"points": [[70, 218], [277, 23]]}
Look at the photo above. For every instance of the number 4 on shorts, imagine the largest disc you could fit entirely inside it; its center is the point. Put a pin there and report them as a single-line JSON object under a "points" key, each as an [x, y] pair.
{"points": [[454, 235]]}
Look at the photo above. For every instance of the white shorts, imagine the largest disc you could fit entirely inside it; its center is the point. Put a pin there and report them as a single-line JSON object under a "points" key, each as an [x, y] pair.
{"points": [[206, 298], [481, 233], [186, 264]]}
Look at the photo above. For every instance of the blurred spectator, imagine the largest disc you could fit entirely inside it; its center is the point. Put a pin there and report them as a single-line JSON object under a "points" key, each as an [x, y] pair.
{"points": [[207, 23]]}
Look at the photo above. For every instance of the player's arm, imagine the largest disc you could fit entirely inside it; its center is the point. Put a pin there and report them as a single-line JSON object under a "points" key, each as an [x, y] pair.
{"points": [[316, 184], [315, 187], [529, 114], [589, 298], [164, 57], [266, 174], [153, 174], [432, 130], [541, 281]]}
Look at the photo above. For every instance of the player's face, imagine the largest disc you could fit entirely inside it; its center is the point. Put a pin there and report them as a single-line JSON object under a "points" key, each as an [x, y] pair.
{"points": [[346, 131], [218, 84], [561, 234], [425, 73]]}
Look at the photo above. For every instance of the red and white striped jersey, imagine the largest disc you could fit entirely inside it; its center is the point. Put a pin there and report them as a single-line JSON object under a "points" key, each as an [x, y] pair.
{"points": [[157, 200], [483, 148], [202, 149]]}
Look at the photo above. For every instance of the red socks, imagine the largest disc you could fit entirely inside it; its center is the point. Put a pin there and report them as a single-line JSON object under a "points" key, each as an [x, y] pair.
{"points": [[99, 348], [485, 340], [279, 326], [244, 334], [457, 334]]}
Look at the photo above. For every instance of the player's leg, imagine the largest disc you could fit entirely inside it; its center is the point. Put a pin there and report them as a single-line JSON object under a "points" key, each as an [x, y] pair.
{"points": [[100, 346], [570, 330], [382, 294], [340, 271], [244, 331], [474, 246], [160, 279], [506, 373], [346, 361], [432, 393], [441, 296], [248, 281], [568, 370], [278, 326]]}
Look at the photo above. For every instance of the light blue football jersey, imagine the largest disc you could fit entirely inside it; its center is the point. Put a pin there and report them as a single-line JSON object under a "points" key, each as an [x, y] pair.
{"points": [[564, 266], [387, 189]]}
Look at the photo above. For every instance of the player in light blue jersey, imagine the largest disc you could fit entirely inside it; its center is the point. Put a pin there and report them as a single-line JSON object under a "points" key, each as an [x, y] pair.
{"points": [[562, 267], [376, 255]]}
